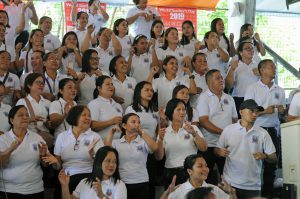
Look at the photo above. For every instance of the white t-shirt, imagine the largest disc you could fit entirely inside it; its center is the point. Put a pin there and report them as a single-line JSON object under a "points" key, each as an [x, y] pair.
{"points": [[133, 159], [103, 109], [164, 88], [149, 120], [4, 110], [265, 96], [12, 81], [109, 188], [97, 20], [58, 106], [140, 25], [23, 173], [51, 42], [183, 189], [80, 35], [86, 89], [241, 169], [190, 48], [10, 37], [51, 86], [76, 161], [141, 66], [70, 58], [178, 145], [295, 105], [200, 83], [219, 112], [40, 108], [243, 77], [14, 14], [105, 57], [126, 43], [214, 61], [26, 56], [124, 89]]}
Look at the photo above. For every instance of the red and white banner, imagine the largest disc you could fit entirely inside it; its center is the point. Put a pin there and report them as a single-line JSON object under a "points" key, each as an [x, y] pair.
{"points": [[81, 6], [173, 17], [1, 6]]}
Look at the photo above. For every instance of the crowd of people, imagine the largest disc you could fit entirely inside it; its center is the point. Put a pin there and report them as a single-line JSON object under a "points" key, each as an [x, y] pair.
{"points": [[112, 115]]}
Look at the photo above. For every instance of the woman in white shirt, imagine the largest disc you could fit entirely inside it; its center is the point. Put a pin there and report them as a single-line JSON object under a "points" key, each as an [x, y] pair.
{"points": [[124, 85], [69, 54], [104, 181], [20, 154], [121, 30], [157, 33], [4, 110], [189, 39], [60, 108], [51, 42], [133, 148], [105, 112], [196, 169], [177, 141]]}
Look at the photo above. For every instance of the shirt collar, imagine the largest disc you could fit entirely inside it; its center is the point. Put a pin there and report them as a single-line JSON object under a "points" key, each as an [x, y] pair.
{"points": [[137, 139], [31, 98], [264, 85], [241, 127], [13, 136], [106, 100], [115, 78]]}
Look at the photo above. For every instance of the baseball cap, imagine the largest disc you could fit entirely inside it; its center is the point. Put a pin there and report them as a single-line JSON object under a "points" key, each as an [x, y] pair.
{"points": [[250, 104]]}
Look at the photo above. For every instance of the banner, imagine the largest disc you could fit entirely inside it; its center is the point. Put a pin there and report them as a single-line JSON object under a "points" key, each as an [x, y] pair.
{"points": [[173, 17], [1, 6], [81, 6]]}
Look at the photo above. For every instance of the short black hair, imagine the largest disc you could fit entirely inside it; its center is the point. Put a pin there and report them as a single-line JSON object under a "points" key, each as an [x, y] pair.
{"points": [[113, 63], [116, 24], [99, 82], [199, 193], [210, 73], [263, 63], [13, 111], [30, 79], [62, 83], [74, 114], [171, 105], [189, 162]]}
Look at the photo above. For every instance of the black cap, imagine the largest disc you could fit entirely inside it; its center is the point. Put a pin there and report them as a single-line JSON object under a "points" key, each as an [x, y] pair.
{"points": [[251, 104]]}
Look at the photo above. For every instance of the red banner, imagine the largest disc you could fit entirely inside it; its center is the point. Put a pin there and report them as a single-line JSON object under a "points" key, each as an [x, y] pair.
{"points": [[1, 6], [81, 6], [173, 17]]}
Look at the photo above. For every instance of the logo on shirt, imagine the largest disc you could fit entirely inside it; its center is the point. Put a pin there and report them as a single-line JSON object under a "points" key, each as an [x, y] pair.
{"points": [[154, 116], [129, 42], [177, 83], [139, 148], [35, 147], [9, 79], [6, 114], [146, 60], [226, 102], [86, 143], [218, 55], [110, 53], [118, 110], [276, 95], [48, 41], [108, 192], [99, 19], [129, 85], [254, 139], [187, 136], [181, 54]]}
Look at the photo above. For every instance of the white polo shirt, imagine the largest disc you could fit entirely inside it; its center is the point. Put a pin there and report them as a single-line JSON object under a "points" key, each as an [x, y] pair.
{"points": [[40, 108], [265, 96], [51, 86], [14, 14], [183, 189], [190, 48], [292, 93], [10, 50], [87, 87], [180, 53], [76, 161], [141, 66], [109, 188], [97, 20], [105, 57], [164, 88], [4, 110], [214, 61], [140, 25], [13, 82], [51, 42], [126, 43], [149, 120], [241, 170], [201, 83], [223, 44], [80, 35], [133, 159], [10, 36], [23, 173], [65, 63], [220, 113], [58, 106], [102, 110], [243, 77], [294, 109], [178, 145], [124, 89], [26, 56]]}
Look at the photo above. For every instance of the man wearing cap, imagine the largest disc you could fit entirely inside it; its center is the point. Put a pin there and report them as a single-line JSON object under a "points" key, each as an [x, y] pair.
{"points": [[216, 111], [272, 97], [245, 145]]}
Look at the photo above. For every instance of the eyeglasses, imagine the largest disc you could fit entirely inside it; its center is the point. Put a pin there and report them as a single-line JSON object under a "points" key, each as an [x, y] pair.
{"points": [[39, 82], [76, 146], [94, 58], [248, 49]]}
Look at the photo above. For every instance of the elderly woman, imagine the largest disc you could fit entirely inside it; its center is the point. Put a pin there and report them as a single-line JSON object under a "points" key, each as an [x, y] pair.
{"points": [[104, 181], [177, 141], [20, 152]]}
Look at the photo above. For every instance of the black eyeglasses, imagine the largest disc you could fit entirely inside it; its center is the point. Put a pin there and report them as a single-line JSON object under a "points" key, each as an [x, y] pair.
{"points": [[76, 146]]}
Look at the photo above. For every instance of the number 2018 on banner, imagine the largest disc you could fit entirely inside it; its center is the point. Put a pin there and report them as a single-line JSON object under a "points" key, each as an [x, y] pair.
{"points": [[177, 16]]}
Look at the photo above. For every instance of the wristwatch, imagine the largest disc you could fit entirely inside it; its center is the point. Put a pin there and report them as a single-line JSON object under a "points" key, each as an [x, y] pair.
{"points": [[192, 77]]}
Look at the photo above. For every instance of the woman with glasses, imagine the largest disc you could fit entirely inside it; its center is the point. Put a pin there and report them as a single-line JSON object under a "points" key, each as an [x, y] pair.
{"points": [[75, 148], [242, 72], [104, 181]]}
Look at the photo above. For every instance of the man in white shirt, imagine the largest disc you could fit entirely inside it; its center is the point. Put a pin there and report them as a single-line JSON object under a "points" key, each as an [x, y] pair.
{"points": [[245, 145], [142, 16], [216, 111], [272, 98]]}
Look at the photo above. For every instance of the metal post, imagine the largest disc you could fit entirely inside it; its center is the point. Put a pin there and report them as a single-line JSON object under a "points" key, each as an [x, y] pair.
{"points": [[250, 11]]}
